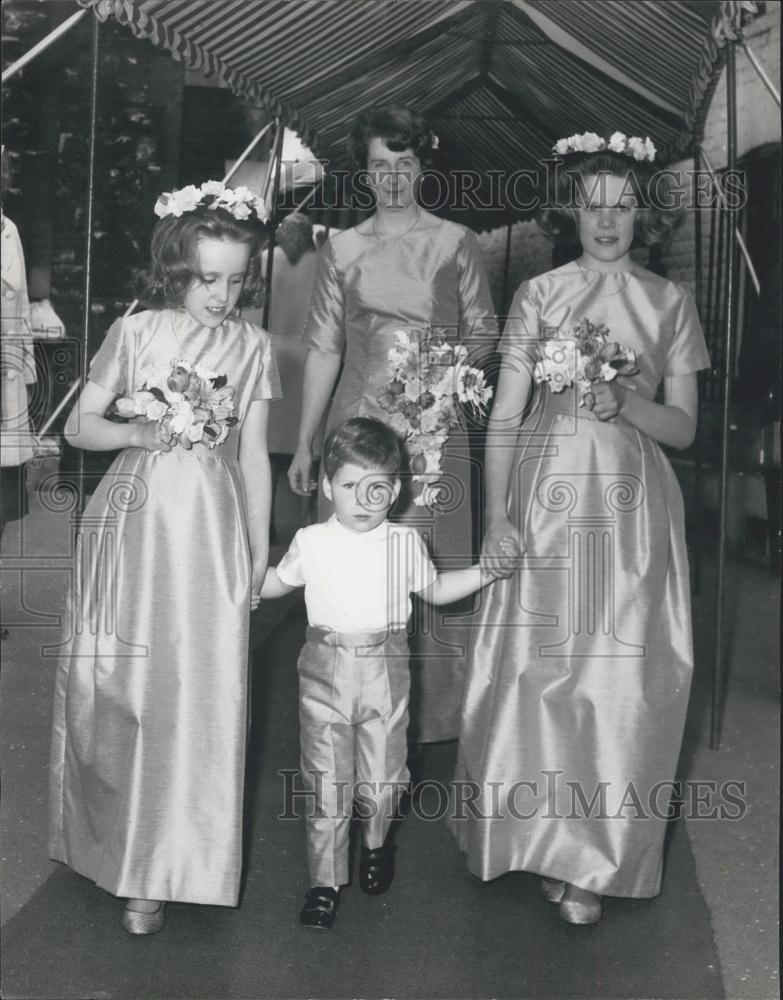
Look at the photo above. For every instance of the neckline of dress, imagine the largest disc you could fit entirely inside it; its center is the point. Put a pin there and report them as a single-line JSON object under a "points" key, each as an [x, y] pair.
{"points": [[374, 235]]}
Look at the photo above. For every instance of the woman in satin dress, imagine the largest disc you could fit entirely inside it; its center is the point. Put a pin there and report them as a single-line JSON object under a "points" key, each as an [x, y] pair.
{"points": [[401, 268], [579, 670]]}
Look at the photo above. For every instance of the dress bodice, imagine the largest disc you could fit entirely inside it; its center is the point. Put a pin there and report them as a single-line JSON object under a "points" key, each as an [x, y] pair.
{"points": [[138, 345], [654, 316]]}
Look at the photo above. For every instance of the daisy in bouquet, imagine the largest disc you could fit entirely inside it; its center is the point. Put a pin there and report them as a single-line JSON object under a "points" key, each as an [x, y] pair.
{"points": [[428, 379], [584, 356], [189, 402]]}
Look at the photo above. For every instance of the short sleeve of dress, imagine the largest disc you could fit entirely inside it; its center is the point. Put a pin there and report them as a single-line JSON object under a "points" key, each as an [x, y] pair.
{"points": [[111, 366], [688, 351], [478, 321], [325, 326], [268, 382], [522, 331], [289, 569], [421, 570]]}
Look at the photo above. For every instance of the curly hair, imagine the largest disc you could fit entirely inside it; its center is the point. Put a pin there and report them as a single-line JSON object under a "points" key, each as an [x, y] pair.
{"points": [[654, 223], [362, 441], [398, 126], [174, 264]]}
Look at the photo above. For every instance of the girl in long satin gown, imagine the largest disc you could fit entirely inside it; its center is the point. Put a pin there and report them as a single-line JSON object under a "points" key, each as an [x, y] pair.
{"points": [[580, 667], [150, 717], [402, 268]]}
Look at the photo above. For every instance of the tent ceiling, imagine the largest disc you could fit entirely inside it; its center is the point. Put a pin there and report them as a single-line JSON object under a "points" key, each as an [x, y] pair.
{"points": [[500, 80]]}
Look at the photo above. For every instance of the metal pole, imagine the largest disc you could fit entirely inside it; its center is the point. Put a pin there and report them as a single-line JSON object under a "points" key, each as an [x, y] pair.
{"points": [[728, 373], [88, 223], [273, 214], [243, 156], [697, 463], [761, 72], [39, 47], [504, 298], [737, 234]]}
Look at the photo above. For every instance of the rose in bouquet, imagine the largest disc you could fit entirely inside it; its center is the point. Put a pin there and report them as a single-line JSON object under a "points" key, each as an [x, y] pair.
{"points": [[583, 357], [428, 378], [189, 402]]}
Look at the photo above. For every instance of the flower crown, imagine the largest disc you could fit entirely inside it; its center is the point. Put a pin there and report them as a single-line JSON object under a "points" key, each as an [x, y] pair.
{"points": [[239, 202], [618, 142], [434, 141]]}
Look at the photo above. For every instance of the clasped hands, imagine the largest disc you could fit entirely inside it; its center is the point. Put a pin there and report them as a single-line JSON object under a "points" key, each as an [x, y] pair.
{"points": [[501, 551]]}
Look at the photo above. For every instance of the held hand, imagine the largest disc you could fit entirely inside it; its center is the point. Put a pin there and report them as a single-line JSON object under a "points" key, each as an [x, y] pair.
{"points": [[300, 472], [150, 435], [501, 549], [609, 399], [257, 581]]}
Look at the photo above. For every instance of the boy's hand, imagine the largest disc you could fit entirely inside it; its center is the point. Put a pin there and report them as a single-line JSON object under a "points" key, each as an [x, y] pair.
{"points": [[504, 562]]}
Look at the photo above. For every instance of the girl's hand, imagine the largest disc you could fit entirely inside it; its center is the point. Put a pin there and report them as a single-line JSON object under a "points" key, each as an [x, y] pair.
{"points": [[257, 580], [501, 549], [609, 399], [300, 472], [150, 435]]}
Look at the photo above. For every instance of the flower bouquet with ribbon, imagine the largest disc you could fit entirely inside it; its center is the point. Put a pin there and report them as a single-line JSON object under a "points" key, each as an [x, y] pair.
{"points": [[428, 379], [583, 357], [190, 403]]}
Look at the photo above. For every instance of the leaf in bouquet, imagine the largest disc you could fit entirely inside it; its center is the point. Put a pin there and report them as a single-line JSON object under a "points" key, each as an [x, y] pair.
{"points": [[156, 392], [231, 421], [219, 382], [210, 431]]}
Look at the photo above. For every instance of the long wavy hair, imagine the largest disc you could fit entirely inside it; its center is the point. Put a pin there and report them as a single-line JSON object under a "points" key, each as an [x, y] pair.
{"points": [[174, 264]]}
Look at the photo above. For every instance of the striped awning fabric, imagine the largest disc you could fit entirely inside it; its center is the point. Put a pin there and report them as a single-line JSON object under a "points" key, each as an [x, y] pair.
{"points": [[500, 80]]}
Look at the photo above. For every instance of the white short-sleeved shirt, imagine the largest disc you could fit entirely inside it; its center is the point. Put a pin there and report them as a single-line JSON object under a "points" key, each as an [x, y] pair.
{"points": [[357, 582]]}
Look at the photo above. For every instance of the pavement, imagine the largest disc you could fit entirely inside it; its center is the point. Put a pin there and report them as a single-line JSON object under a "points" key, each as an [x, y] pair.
{"points": [[733, 832]]}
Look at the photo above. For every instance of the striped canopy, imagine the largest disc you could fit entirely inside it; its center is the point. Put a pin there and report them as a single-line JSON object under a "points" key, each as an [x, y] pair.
{"points": [[500, 80]]}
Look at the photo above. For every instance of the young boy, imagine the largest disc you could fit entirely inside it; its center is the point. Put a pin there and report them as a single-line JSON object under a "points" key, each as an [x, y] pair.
{"points": [[358, 571]]}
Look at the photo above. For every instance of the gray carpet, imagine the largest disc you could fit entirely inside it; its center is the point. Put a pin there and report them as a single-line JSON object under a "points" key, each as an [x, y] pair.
{"points": [[439, 932]]}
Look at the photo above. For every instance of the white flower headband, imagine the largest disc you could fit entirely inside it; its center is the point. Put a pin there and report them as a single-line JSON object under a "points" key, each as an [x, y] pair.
{"points": [[434, 141], [618, 142], [239, 201]]}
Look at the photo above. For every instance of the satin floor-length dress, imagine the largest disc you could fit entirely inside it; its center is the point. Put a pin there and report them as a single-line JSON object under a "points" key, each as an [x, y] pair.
{"points": [[579, 671], [367, 288], [151, 702]]}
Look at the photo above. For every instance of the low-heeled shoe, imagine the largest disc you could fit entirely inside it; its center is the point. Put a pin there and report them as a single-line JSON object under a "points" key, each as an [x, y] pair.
{"points": [[138, 922], [376, 869], [577, 912], [552, 890], [320, 907]]}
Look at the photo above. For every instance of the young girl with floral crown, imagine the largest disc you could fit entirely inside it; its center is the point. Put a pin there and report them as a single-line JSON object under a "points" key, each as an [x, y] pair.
{"points": [[580, 666], [150, 716]]}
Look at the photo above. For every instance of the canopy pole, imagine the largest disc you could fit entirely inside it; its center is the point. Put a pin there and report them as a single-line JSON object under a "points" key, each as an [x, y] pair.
{"points": [[88, 224], [737, 234], [39, 47], [506, 265], [761, 71], [730, 276], [697, 456], [243, 156], [273, 214]]}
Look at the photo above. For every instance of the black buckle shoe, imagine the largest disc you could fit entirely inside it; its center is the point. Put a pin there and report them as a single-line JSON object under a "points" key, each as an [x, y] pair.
{"points": [[376, 869], [320, 907]]}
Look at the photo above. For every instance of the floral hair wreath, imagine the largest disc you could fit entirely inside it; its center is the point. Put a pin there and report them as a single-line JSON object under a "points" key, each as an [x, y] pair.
{"points": [[239, 202], [434, 141], [618, 142]]}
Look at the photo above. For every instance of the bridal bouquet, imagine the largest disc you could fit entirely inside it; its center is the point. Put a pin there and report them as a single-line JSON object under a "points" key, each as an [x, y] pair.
{"points": [[584, 356], [190, 402], [428, 378]]}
